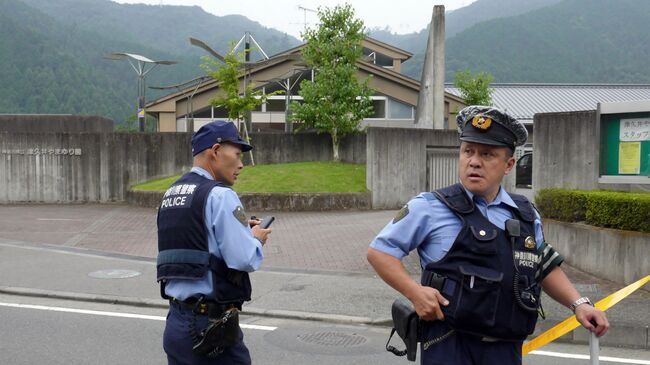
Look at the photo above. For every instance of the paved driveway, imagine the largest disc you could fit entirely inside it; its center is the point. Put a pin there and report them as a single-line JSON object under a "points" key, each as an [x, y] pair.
{"points": [[327, 241]]}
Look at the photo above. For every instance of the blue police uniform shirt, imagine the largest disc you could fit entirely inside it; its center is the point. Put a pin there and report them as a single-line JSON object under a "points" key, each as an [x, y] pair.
{"points": [[228, 239], [431, 227]]}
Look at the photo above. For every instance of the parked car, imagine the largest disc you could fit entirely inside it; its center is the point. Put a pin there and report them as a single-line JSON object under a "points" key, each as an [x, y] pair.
{"points": [[524, 177]]}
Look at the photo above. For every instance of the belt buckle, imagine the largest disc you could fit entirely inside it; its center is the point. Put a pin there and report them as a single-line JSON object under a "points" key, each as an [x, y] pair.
{"points": [[200, 307]]}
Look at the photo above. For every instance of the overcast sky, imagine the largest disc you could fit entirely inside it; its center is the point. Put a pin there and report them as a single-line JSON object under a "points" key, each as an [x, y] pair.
{"points": [[402, 16]]}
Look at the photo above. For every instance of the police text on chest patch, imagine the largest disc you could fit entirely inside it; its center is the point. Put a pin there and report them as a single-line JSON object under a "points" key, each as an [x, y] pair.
{"points": [[526, 259]]}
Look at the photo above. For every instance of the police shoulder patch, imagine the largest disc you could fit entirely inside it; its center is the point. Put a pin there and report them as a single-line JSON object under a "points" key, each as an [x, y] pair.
{"points": [[401, 214], [240, 214]]}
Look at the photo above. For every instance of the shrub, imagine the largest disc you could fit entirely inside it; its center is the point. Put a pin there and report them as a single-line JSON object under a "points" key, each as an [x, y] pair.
{"points": [[619, 210]]}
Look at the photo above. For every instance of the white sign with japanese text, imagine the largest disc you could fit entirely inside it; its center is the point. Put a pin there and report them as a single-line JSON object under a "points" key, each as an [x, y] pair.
{"points": [[637, 129]]}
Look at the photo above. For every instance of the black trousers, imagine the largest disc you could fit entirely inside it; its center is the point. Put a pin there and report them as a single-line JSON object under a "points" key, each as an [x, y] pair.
{"points": [[465, 349], [177, 341]]}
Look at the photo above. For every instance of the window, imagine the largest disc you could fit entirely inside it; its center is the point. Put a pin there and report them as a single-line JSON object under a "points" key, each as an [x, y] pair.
{"points": [[379, 109], [399, 110], [275, 105]]}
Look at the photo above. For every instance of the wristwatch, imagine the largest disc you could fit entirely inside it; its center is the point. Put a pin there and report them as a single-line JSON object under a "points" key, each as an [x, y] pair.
{"points": [[583, 300]]}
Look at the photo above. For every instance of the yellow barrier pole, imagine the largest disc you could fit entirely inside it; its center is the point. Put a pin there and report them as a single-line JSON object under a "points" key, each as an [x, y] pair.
{"points": [[571, 323]]}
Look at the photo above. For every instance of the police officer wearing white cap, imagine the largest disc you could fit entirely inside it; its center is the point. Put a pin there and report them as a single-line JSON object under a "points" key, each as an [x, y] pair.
{"points": [[482, 251], [206, 250]]}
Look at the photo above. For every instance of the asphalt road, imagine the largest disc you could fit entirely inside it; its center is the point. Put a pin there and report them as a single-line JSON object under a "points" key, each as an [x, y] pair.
{"points": [[38, 330]]}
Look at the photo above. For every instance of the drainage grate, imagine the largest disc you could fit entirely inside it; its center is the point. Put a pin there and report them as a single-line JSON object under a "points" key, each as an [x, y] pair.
{"points": [[338, 339], [113, 274]]}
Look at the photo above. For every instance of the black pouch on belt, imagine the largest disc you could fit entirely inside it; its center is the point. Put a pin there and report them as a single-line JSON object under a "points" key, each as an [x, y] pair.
{"points": [[222, 332], [406, 323]]}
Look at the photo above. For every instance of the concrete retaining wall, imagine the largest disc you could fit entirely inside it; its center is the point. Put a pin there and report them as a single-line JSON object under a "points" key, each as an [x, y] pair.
{"points": [[74, 167], [44, 123], [260, 202], [285, 148], [616, 255], [99, 167], [396, 165], [566, 151]]}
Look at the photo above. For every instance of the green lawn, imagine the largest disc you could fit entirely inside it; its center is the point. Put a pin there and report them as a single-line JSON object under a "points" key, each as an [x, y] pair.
{"points": [[307, 177]]}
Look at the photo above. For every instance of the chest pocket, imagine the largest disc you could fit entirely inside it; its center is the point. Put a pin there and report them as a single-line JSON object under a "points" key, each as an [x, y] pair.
{"points": [[484, 240]]}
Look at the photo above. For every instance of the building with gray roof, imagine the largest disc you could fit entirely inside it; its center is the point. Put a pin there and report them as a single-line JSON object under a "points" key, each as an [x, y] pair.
{"points": [[523, 101]]}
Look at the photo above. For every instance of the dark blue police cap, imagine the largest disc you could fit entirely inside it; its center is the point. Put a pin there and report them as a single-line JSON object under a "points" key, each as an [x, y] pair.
{"points": [[217, 131], [489, 125]]}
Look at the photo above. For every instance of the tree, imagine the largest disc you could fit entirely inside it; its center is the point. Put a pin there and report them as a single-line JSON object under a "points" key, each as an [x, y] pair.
{"points": [[475, 90], [238, 103], [335, 102]]}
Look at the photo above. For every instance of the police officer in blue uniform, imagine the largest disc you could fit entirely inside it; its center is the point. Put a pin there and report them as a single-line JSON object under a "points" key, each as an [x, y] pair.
{"points": [[482, 252], [206, 250]]}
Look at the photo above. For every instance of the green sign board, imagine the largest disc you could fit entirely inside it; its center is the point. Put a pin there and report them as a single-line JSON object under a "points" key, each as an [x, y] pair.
{"points": [[625, 144]]}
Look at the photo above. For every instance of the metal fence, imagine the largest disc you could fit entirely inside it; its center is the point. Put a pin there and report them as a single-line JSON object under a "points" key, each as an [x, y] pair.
{"points": [[442, 167]]}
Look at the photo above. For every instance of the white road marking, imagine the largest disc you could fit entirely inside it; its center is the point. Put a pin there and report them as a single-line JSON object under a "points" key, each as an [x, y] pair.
{"points": [[57, 219], [116, 314], [586, 357]]}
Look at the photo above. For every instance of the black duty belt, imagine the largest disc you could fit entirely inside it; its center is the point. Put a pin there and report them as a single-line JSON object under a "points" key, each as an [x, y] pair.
{"points": [[202, 306]]}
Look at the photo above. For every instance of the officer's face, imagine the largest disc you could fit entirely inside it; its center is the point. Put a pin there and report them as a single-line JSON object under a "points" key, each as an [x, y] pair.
{"points": [[481, 168], [226, 162]]}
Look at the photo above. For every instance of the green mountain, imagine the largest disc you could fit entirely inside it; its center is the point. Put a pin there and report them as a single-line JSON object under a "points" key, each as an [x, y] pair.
{"points": [[456, 21], [574, 41], [166, 28], [586, 41], [52, 52], [479, 11]]}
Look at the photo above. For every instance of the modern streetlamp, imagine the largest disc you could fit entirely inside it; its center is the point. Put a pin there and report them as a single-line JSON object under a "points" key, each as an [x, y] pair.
{"points": [[142, 66]]}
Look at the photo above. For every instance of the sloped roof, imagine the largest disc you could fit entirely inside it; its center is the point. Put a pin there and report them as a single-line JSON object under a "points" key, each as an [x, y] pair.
{"points": [[523, 101], [293, 54]]}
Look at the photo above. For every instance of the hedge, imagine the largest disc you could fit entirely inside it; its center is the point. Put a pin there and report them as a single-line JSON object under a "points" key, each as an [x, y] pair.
{"points": [[612, 209]]}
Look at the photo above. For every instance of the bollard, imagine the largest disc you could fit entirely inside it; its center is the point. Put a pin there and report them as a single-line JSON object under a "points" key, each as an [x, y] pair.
{"points": [[594, 349]]}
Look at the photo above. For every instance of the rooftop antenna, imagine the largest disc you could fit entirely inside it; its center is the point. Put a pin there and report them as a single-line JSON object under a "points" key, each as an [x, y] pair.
{"points": [[304, 15]]}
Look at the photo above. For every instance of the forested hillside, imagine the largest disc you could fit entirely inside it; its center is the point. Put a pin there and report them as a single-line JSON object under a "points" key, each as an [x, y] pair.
{"points": [[574, 41], [586, 41], [166, 28], [52, 51]]}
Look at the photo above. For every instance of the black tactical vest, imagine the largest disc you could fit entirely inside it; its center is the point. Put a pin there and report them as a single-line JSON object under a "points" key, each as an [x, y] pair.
{"points": [[183, 241], [488, 279]]}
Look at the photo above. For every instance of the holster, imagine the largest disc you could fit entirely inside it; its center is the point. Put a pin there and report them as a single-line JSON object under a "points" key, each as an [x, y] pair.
{"points": [[407, 325], [222, 332]]}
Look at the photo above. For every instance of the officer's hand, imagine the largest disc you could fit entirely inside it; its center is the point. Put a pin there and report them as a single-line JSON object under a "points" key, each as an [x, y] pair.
{"points": [[427, 303], [588, 316], [261, 233], [254, 222]]}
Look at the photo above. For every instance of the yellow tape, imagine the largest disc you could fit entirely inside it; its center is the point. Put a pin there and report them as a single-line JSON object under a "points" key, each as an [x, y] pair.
{"points": [[571, 323]]}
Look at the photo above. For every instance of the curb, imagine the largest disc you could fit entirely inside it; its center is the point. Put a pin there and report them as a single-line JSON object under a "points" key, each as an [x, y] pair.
{"points": [[628, 336], [163, 304], [273, 202]]}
